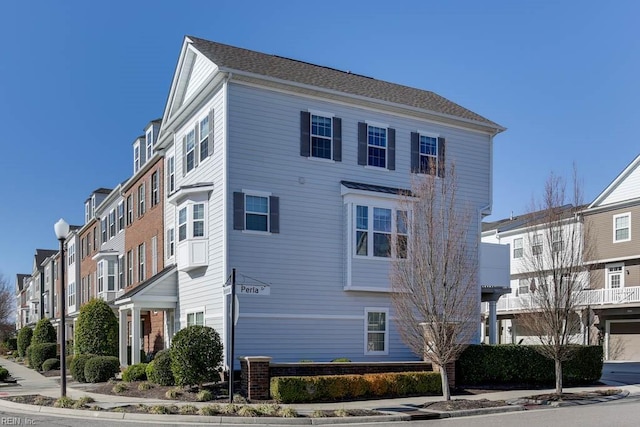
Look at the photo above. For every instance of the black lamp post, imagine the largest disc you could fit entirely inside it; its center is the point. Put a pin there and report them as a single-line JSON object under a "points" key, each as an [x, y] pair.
{"points": [[62, 230]]}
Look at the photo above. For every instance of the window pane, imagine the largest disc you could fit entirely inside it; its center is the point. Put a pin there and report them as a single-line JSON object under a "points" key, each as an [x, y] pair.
{"points": [[321, 147], [198, 229], [362, 217], [382, 219], [381, 245], [428, 145], [361, 243], [321, 126], [375, 342], [182, 216], [198, 211], [377, 157], [204, 127], [257, 204], [401, 222], [377, 136], [256, 222]]}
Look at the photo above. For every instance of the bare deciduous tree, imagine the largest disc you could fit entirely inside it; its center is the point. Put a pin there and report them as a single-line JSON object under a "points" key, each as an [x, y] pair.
{"points": [[435, 289], [552, 262], [7, 307]]}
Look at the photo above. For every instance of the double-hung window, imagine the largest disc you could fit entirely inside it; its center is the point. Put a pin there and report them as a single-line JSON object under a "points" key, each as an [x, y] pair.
{"points": [[523, 286], [149, 143], [72, 254], [171, 174], [111, 276], [255, 211], [182, 224], [374, 228], [198, 220], [141, 199], [427, 153], [376, 145], [622, 228], [190, 150], [136, 158], [190, 222], [376, 331], [557, 244], [101, 277], [536, 244], [204, 138], [120, 216], [155, 188], [141, 261], [121, 272], [130, 209], [130, 267], [171, 243], [195, 318], [71, 298], [103, 226], [320, 136], [112, 223], [517, 248]]}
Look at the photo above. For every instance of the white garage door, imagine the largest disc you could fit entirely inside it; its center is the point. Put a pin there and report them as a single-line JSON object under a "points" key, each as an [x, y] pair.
{"points": [[624, 341]]}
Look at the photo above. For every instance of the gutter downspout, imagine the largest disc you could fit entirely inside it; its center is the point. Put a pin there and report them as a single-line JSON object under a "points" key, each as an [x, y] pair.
{"points": [[225, 197]]}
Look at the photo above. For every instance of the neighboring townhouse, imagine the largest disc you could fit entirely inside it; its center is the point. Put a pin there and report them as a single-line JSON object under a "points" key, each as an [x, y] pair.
{"points": [[290, 173], [527, 236], [613, 219], [141, 306], [22, 315]]}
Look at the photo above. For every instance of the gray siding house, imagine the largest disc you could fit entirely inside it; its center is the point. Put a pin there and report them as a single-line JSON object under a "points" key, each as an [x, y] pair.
{"points": [[289, 173]]}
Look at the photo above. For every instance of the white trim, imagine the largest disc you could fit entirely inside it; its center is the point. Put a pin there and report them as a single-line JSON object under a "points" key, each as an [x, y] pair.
{"points": [[195, 311], [427, 133], [256, 193], [368, 310], [321, 113], [607, 283], [377, 124], [322, 159], [367, 288], [625, 214], [300, 316]]}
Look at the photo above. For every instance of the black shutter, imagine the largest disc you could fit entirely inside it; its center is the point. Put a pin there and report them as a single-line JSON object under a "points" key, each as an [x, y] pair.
{"points": [[274, 214], [196, 149], [441, 157], [305, 133], [337, 139], [210, 150], [415, 152], [362, 143], [391, 149], [184, 155], [238, 210]]}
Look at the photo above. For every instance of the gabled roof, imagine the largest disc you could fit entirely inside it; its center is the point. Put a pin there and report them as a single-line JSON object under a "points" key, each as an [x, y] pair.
{"points": [[42, 254], [235, 59], [20, 282], [615, 184], [529, 219]]}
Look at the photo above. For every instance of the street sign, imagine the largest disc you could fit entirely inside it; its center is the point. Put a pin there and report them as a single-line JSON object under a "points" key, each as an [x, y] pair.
{"points": [[253, 289]]}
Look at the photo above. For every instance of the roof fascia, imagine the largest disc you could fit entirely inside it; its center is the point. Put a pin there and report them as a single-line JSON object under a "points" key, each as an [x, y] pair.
{"points": [[623, 175]]}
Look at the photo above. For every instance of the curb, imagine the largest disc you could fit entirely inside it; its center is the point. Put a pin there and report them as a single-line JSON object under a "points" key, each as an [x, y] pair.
{"points": [[601, 399], [204, 419]]}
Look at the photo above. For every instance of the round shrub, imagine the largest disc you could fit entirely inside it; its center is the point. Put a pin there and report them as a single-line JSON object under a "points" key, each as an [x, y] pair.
{"points": [[44, 332], [38, 353], [77, 366], [196, 353], [51, 364], [3, 373], [159, 369], [135, 372], [12, 344], [24, 340], [96, 329], [99, 369]]}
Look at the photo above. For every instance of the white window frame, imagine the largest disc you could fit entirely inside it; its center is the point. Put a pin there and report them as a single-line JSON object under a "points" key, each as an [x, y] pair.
{"points": [[171, 174], [71, 294], [436, 157], [190, 135], [204, 137], [312, 135], [141, 262], [261, 194], [371, 206], [386, 144], [141, 199], [72, 253], [149, 142], [111, 275], [188, 223], [155, 188], [112, 223], [120, 216], [101, 276], [171, 243], [615, 229], [130, 209], [518, 247], [193, 313], [613, 270], [120, 272], [130, 265], [537, 241], [136, 157], [367, 311]]}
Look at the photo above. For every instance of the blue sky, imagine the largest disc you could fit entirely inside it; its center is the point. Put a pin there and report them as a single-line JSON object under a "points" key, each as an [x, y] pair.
{"points": [[79, 80]]}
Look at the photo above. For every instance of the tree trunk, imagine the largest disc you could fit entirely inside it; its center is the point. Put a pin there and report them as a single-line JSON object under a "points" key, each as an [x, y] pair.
{"points": [[558, 376], [446, 393]]}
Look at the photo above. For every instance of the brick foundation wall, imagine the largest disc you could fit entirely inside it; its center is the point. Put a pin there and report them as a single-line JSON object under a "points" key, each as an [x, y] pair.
{"points": [[255, 379]]}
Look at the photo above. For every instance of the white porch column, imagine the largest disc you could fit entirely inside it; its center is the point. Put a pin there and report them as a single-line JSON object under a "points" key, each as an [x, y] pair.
{"points": [[122, 340], [135, 335], [493, 323]]}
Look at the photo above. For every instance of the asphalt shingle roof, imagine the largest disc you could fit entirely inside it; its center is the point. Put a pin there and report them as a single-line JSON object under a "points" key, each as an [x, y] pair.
{"points": [[234, 58]]}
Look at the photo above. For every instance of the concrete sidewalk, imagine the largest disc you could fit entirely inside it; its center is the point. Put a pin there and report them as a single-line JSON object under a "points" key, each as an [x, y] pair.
{"points": [[31, 382]]}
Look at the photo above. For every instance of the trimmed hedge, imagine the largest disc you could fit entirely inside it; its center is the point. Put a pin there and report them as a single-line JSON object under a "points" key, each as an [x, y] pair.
{"points": [[523, 365], [50, 364], [340, 387], [159, 369], [38, 353], [96, 330], [3, 373], [135, 372], [24, 340], [196, 354], [77, 366], [99, 369], [44, 332]]}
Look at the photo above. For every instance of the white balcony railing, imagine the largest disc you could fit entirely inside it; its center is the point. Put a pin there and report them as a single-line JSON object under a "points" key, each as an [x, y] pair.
{"points": [[593, 297]]}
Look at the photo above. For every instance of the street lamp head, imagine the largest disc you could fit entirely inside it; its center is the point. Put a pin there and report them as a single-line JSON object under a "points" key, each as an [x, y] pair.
{"points": [[61, 228]]}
